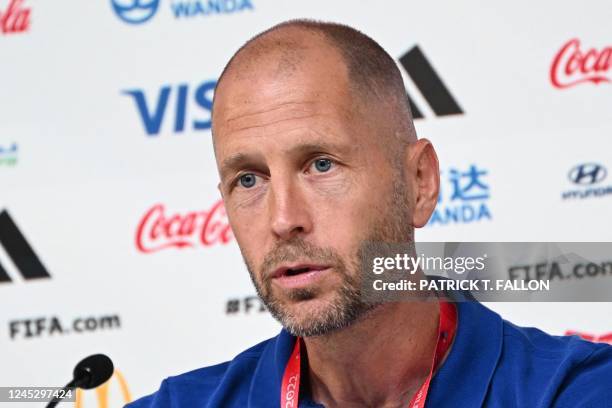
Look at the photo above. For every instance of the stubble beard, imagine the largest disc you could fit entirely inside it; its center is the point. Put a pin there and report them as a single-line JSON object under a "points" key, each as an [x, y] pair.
{"points": [[347, 305]]}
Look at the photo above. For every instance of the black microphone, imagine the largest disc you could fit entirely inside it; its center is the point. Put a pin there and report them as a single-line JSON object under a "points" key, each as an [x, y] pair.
{"points": [[91, 372]]}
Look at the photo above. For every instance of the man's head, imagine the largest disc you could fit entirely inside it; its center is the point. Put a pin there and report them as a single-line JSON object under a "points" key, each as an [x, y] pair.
{"points": [[317, 155]]}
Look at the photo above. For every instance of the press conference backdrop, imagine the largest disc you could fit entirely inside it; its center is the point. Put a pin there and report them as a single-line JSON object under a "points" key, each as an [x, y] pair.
{"points": [[113, 238]]}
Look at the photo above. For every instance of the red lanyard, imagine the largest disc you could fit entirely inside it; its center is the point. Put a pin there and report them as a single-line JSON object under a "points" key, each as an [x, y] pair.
{"points": [[290, 387]]}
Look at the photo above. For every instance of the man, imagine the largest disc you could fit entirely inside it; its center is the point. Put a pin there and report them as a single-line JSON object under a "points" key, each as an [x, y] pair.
{"points": [[318, 159]]}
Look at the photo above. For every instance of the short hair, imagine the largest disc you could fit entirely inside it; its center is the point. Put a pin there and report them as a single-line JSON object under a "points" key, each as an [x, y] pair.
{"points": [[371, 70]]}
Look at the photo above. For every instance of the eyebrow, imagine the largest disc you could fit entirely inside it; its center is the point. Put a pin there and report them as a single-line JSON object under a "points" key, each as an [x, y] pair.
{"points": [[238, 161]]}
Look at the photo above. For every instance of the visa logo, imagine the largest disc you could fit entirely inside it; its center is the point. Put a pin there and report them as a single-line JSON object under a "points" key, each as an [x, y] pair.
{"points": [[191, 108]]}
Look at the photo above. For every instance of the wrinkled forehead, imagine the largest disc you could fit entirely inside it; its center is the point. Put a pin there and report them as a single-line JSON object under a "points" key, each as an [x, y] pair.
{"points": [[306, 79], [276, 118]]}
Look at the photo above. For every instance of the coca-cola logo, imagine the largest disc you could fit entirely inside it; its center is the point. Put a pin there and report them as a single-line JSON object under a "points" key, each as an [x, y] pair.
{"points": [[159, 230], [573, 65], [15, 19], [604, 338]]}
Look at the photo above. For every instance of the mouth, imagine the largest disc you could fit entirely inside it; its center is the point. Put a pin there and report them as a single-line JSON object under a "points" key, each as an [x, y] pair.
{"points": [[297, 275], [297, 269]]}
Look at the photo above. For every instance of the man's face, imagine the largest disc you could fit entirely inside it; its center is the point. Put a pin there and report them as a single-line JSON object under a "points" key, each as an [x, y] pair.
{"points": [[306, 181]]}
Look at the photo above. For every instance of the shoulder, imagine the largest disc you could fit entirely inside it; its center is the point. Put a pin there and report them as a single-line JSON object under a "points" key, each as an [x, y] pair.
{"points": [[560, 370], [198, 387], [541, 345]]}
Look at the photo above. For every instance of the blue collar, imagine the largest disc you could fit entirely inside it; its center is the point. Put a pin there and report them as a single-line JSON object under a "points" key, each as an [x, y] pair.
{"points": [[463, 378]]}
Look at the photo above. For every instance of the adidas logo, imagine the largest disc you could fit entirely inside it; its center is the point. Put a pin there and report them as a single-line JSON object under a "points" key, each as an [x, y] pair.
{"points": [[429, 84], [19, 251]]}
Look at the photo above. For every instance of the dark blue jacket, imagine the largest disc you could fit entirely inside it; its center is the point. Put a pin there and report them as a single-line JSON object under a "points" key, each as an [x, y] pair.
{"points": [[492, 363]]}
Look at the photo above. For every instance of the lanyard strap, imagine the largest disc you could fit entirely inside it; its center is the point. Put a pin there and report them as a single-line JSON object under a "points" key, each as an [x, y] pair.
{"points": [[446, 332], [290, 387]]}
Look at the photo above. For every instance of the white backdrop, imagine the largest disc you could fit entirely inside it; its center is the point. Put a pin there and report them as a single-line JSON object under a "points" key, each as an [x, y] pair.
{"points": [[79, 171]]}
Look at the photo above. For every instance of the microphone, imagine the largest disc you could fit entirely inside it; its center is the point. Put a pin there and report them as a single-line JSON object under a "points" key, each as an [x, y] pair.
{"points": [[91, 372]]}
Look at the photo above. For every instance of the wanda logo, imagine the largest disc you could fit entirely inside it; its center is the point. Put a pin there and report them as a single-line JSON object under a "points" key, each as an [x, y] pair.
{"points": [[574, 65], [604, 338], [15, 19], [158, 229]]}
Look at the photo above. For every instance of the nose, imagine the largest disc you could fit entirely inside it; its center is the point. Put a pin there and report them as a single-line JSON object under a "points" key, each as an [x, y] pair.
{"points": [[290, 214]]}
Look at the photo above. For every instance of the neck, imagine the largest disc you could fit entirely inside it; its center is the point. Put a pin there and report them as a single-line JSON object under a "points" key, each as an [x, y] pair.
{"points": [[379, 361]]}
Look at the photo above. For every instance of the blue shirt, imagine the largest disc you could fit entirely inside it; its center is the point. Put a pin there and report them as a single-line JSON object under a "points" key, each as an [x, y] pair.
{"points": [[492, 363]]}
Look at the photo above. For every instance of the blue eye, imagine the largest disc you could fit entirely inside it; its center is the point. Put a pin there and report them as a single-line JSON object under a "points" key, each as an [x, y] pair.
{"points": [[322, 165], [247, 180]]}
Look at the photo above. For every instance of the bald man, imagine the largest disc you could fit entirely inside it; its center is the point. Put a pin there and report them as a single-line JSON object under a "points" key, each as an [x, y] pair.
{"points": [[318, 161]]}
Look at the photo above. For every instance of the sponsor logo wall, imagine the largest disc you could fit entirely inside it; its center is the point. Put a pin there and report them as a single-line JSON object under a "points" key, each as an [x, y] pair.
{"points": [[430, 85], [575, 64], [153, 112], [114, 392], [463, 197], [8, 155], [159, 230], [15, 18], [588, 181], [20, 252], [113, 236], [141, 11]]}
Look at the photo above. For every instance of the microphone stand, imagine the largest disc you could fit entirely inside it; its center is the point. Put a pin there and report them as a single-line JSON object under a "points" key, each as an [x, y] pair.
{"points": [[89, 373], [72, 385]]}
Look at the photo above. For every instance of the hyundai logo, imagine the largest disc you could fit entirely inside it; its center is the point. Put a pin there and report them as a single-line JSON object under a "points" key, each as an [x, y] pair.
{"points": [[587, 173], [135, 11]]}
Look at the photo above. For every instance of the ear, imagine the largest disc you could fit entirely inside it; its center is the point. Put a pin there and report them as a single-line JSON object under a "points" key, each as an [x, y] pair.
{"points": [[425, 180]]}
